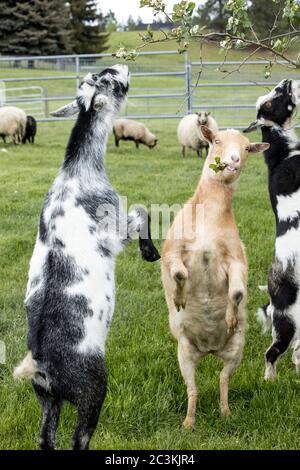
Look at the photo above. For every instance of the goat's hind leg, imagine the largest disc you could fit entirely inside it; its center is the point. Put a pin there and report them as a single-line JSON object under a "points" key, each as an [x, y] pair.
{"points": [[88, 399], [51, 407], [88, 416], [296, 355], [226, 373], [231, 355], [283, 333], [188, 358]]}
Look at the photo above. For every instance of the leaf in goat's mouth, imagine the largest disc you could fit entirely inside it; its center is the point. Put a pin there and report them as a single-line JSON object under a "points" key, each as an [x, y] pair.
{"points": [[218, 166]]}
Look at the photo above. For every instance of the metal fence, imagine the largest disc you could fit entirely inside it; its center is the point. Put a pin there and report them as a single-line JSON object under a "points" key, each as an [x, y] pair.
{"points": [[164, 84]]}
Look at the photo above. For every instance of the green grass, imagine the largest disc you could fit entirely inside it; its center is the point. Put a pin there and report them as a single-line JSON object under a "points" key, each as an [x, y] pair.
{"points": [[146, 399]]}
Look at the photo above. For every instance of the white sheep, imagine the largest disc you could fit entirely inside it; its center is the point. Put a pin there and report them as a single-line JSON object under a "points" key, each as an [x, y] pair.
{"points": [[12, 123], [127, 129], [189, 133]]}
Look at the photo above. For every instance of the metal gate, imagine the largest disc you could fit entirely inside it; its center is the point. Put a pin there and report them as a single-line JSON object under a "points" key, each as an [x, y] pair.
{"points": [[164, 85]]}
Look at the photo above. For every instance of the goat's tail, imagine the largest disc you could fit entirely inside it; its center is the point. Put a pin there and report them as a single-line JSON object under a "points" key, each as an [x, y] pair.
{"points": [[264, 316], [26, 369]]}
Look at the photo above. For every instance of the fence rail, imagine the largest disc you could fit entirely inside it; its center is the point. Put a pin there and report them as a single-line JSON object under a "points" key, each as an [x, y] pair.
{"points": [[163, 85]]}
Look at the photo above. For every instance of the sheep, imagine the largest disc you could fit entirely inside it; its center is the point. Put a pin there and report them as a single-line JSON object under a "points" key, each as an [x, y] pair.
{"points": [[189, 133], [274, 114], [71, 290], [30, 131], [204, 269], [12, 123], [128, 129]]}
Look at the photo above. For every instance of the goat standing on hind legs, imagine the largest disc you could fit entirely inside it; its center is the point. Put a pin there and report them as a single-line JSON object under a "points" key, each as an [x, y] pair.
{"points": [[71, 289], [275, 111], [204, 269]]}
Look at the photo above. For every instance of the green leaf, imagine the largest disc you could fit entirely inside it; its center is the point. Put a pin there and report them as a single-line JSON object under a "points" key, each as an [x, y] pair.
{"points": [[149, 31], [218, 166]]}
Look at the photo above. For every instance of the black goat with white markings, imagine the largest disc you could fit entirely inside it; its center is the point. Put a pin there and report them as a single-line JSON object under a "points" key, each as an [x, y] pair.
{"points": [[71, 289], [274, 113]]}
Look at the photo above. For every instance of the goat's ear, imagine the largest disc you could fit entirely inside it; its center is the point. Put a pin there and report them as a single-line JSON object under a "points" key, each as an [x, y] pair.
{"points": [[209, 113], [253, 126], [67, 110], [259, 147], [208, 134]]}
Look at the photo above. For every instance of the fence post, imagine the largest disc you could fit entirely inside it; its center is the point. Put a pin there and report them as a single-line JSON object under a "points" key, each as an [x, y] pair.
{"points": [[188, 81], [77, 66], [46, 104]]}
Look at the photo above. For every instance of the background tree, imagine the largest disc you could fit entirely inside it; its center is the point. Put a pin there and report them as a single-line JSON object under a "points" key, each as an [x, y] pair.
{"points": [[111, 23], [35, 27], [212, 15], [7, 24], [265, 18], [131, 24], [87, 34]]}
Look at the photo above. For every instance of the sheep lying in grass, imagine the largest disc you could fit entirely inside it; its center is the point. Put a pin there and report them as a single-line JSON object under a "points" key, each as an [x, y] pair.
{"points": [[30, 131], [189, 132], [127, 129], [12, 123]]}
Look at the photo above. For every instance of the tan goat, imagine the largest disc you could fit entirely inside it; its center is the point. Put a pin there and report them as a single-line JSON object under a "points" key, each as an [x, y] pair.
{"points": [[204, 269]]}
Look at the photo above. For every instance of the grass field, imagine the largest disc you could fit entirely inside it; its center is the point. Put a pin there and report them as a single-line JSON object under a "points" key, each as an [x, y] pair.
{"points": [[146, 399]]}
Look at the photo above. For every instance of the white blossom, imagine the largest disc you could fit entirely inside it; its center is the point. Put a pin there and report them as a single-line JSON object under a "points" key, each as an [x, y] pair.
{"points": [[121, 53], [195, 29]]}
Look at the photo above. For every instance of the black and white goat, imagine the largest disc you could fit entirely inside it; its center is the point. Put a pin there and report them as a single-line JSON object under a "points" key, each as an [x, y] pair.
{"points": [[274, 113], [71, 289]]}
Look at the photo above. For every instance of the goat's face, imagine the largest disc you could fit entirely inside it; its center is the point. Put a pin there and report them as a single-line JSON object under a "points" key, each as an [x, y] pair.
{"points": [[203, 118], [276, 107], [102, 92], [232, 148]]}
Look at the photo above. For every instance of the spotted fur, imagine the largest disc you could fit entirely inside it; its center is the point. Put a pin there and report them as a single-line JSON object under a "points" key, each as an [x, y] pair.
{"points": [[274, 114], [71, 289]]}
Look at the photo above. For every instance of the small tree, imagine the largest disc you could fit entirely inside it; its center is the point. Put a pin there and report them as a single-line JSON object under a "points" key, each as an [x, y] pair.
{"points": [[240, 30], [111, 23], [131, 24], [87, 35]]}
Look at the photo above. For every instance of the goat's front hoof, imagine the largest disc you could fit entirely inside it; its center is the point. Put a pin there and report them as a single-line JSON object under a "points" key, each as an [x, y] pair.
{"points": [[179, 300], [150, 254], [231, 322], [180, 277], [188, 423]]}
